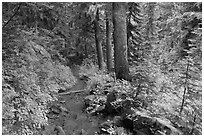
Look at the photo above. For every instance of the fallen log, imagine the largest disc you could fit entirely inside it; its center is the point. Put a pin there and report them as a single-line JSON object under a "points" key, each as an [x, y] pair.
{"points": [[72, 92]]}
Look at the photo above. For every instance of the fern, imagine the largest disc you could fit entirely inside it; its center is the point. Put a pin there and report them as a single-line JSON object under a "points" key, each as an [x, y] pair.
{"points": [[31, 81]]}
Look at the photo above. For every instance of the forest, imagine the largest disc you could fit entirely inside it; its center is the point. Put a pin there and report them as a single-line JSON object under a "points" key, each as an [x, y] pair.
{"points": [[101, 68]]}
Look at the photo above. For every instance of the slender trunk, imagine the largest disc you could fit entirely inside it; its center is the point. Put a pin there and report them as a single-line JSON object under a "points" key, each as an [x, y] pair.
{"points": [[15, 13], [77, 46], [99, 49], [86, 50], [194, 123], [185, 89], [120, 41], [108, 45]]}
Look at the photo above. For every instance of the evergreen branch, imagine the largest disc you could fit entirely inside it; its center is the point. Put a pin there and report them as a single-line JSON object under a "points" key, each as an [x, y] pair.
{"points": [[17, 9]]}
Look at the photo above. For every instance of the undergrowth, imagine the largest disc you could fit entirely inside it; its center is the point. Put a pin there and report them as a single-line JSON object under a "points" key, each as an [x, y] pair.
{"points": [[30, 80], [153, 91]]}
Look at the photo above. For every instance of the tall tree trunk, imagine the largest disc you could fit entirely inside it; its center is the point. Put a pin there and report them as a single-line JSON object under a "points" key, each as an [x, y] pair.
{"points": [[120, 41], [86, 50], [98, 41], [109, 51], [77, 45]]}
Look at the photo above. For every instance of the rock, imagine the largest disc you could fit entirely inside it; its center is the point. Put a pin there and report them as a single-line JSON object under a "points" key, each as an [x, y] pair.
{"points": [[89, 109], [105, 92], [74, 115], [100, 108], [59, 130], [89, 100], [111, 97], [84, 77], [167, 127], [117, 121], [82, 132], [159, 133], [102, 99], [63, 109], [120, 131], [128, 123], [52, 116], [61, 91], [108, 85], [62, 101], [95, 103], [55, 109], [107, 124], [109, 108], [151, 126], [97, 109], [126, 105], [141, 132], [95, 99], [106, 127], [92, 92]]}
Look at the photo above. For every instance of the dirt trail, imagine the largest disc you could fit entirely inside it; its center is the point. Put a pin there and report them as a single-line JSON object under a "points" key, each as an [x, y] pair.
{"points": [[75, 121]]}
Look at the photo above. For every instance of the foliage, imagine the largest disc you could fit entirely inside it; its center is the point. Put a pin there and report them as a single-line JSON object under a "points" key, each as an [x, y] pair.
{"points": [[178, 83], [30, 81], [30, 15], [97, 78], [134, 33], [164, 53]]}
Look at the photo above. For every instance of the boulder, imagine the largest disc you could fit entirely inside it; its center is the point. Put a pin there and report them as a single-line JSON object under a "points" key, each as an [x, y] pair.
{"points": [[167, 127], [55, 109], [144, 124], [95, 99], [61, 91], [59, 130], [84, 78], [89, 100], [120, 131], [111, 97], [107, 127], [117, 121], [95, 103]]}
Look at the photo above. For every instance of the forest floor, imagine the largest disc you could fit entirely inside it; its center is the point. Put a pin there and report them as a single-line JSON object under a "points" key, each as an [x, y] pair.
{"points": [[74, 121], [69, 115]]}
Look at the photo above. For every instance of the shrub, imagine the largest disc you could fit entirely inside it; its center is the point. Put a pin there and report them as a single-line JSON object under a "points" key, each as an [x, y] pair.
{"points": [[30, 81], [97, 77]]}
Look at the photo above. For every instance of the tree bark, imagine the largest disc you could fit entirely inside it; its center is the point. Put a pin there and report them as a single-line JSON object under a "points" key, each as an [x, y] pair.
{"points": [[78, 41], [109, 51], [120, 41], [86, 50], [99, 49]]}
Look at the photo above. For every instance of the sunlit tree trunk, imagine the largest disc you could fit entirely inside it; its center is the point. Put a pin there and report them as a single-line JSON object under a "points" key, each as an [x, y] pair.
{"points": [[99, 49], [108, 45], [120, 41]]}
